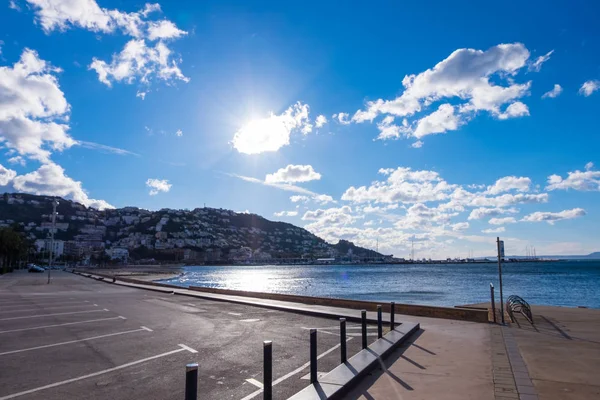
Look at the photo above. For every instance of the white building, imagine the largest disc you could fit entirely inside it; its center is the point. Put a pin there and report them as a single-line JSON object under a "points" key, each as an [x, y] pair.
{"points": [[44, 245], [118, 253]]}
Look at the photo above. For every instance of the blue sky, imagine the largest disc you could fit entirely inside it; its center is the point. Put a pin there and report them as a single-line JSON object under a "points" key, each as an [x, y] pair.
{"points": [[387, 121]]}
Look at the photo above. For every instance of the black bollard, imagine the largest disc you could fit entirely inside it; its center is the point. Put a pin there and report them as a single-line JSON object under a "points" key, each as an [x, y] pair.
{"points": [[114, 280], [191, 381], [379, 323], [268, 370], [392, 315], [363, 315], [343, 355], [313, 356], [493, 302]]}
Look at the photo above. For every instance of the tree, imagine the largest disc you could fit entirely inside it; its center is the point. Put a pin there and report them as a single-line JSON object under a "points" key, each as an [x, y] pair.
{"points": [[13, 247]]}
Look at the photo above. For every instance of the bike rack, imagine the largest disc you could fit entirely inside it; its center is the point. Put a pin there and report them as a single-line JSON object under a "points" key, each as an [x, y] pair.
{"points": [[517, 304]]}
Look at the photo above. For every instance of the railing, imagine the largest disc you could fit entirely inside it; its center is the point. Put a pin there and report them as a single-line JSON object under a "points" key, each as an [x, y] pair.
{"points": [[515, 304]]}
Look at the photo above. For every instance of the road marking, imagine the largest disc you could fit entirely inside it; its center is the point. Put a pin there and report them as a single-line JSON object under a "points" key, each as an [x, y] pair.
{"points": [[95, 305], [51, 315], [146, 329], [234, 313], [337, 327], [71, 341], [45, 308], [24, 303], [12, 396], [290, 374], [183, 346], [250, 320], [68, 323], [255, 383]]}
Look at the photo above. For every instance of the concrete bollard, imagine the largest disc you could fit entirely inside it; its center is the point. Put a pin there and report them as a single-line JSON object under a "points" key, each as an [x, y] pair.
{"points": [[191, 381], [379, 322], [313, 356], [363, 316], [343, 353], [392, 316], [268, 370], [114, 280]]}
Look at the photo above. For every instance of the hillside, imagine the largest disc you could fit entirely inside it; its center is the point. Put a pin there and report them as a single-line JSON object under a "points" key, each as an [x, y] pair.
{"points": [[202, 234]]}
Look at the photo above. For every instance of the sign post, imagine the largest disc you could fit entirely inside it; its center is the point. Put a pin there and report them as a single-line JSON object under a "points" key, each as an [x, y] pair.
{"points": [[500, 245]]}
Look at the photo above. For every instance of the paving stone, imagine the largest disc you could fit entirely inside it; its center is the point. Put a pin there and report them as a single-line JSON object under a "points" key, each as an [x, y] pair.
{"points": [[523, 381], [528, 397], [526, 389]]}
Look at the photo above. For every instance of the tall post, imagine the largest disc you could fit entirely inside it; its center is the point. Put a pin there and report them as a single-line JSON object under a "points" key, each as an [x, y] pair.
{"points": [[343, 354], [363, 315], [379, 322], [191, 381], [313, 356], [500, 279], [54, 204], [493, 304], [392, 316], [268, 370]]}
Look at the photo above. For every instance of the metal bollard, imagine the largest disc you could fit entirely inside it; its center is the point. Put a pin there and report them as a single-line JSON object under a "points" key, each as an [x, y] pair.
{"points": [[191, 381], [392, 315], [363, 315], [114, 280], [493, 302], [268, 370], [313, 356], [343, 355], [379, 323]]}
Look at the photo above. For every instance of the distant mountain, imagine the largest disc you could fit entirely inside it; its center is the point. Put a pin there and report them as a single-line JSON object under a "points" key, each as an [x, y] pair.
{"points": [[207, 233], [592, 256]]}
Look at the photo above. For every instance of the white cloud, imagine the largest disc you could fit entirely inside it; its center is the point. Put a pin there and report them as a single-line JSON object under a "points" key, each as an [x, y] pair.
{"points": [[50, 180], [282, 186], [402, 185], [508, 183], [271, 133], [588, 180], [13, 5], [388, 130], [164, 29], [105, 148], [17, 160], [331, 216], [551, 217], [323, 199], [465, 74], [293, 173], [286, 213], [555, 92], [158, 185], [320, 121], [496, 230], [482, 212], [6, 175], [515, 110], [179, 133], [589, 87], [537, 64], [417, 145], [141, 94], [342, 118], [438, 121], [461, 226], [299, 198], [33, 109], [502, 221], [137, 61]]}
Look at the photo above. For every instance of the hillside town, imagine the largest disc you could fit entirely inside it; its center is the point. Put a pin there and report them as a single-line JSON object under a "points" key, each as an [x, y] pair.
{"points": [[133, 235]]}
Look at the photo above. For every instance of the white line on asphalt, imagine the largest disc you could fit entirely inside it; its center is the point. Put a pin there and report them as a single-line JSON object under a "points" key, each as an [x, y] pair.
{"points": [[289, 375], [12, 396], [46, 303], [183, 346], [338, 327], [51, 315], [68, 323], [255, 383], [45, 308], [71, 341], [122, 317], [234, 313], [146, 329]]}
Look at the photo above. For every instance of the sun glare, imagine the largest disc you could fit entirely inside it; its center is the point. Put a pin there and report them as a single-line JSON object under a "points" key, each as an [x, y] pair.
{"points": [[260, 135]]}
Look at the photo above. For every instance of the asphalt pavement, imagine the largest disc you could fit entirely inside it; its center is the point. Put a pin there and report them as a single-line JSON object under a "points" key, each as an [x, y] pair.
{"points": [[79, 338]]}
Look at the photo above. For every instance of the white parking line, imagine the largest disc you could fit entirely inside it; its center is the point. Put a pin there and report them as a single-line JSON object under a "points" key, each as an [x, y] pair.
{"points": [[4, 305], [12, 396], [51, 315], [74, 341], [255, 382], [45, 308], [68, 323], [289, 375], [183, 346]]}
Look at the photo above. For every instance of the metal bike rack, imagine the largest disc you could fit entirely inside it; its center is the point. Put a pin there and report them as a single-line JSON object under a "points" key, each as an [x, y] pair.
{"points": [[515, 304]]}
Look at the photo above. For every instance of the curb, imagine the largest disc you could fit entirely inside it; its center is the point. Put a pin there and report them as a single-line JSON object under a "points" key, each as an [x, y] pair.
{"points": [[337, 383]]}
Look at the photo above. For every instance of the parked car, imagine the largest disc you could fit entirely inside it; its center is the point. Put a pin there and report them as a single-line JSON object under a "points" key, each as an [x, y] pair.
{"points": [[35, 268]]}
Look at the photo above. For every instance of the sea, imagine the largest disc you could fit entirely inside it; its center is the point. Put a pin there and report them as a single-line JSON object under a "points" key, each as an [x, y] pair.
{"points": [[570, 283]]}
